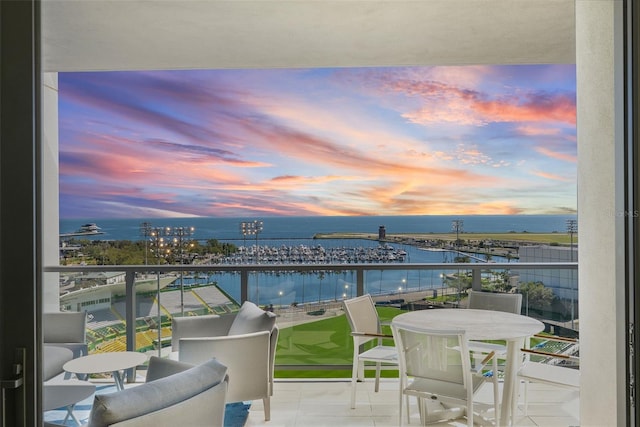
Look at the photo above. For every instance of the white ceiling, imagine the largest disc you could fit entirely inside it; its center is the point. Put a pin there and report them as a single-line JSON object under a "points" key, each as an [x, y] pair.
{"points": [[179, 34]]}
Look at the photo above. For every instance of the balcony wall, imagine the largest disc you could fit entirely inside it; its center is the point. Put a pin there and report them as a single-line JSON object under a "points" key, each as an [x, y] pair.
{"points": [[135, 314]]}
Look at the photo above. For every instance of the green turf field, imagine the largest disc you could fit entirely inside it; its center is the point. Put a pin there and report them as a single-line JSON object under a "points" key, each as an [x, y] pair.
{"points": [[324, 342]]}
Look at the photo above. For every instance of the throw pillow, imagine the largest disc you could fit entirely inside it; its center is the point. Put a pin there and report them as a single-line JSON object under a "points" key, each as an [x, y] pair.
{"points": [[252, 318]]}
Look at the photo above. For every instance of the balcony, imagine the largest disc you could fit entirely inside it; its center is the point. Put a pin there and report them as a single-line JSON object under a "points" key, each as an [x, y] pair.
{"points": [[324, 403], [125, 315], [307, 402]]}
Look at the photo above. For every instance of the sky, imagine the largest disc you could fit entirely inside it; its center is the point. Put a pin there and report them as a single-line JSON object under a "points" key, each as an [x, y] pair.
{"points": [[463, 140]]}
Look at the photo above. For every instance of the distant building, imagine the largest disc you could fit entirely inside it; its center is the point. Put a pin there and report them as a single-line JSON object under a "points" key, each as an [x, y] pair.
{"points": [[382, 233], [96, 298], [564, 282], [102, 278]]}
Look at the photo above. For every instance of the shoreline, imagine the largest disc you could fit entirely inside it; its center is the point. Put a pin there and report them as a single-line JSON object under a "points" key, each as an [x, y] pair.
{"points": [[487, 244], [539, 238]]}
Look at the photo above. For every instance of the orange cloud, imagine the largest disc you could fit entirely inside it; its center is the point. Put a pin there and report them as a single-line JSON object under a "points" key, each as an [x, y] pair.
{"points": [[530, 130], [556, 155], [552, 176]]}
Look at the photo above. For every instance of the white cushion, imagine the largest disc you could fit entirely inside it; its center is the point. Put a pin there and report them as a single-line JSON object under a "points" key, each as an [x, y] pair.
{"points": [[252, 318], [54, 358], [155, 395]]}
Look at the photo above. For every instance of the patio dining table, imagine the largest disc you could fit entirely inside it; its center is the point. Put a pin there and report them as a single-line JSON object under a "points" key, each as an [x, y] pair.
{"points": [[114, 362], [483, 325]]}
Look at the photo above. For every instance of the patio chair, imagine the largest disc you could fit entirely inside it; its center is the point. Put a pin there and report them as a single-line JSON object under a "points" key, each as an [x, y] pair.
{"points": [[66, 329], [557, 365], [498, 301], [435, 367], [506, 302], [174, 393], [365, 327], [245, 342]]}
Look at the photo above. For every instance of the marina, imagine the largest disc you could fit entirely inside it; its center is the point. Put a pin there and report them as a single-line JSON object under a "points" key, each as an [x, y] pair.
{"points": [[316, 254]]}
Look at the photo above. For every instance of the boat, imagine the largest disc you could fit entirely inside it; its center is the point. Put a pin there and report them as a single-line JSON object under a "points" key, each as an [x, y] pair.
{"points": [[88, 229]]}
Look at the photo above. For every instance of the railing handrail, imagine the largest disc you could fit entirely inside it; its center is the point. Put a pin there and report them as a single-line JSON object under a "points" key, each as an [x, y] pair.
{"points": [[244, 269], [310, 267]]}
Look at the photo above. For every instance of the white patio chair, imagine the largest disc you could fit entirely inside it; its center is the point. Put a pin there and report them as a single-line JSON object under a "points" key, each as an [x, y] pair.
{"points": [[245, 342], [435, 367], [365, 327], [506, 302], [558, 366], [66, 329], [174, 393], [497, 301]]}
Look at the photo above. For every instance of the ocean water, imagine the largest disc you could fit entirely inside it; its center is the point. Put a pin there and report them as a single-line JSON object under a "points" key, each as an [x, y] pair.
{"points": [[306, 227], [285, 288]]}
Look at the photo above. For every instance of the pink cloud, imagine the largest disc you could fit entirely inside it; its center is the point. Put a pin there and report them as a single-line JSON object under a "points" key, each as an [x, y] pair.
{"points": [[530, 130], [545, 151], [446, 101], [552, 176]]}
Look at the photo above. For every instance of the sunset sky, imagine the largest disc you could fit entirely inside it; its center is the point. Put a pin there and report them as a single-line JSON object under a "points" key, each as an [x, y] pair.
{"points": [[358, 141]]}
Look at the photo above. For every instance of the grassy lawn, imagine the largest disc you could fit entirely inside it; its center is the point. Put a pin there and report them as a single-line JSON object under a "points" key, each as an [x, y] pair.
{"points": [[328, 342], [324, 342]]}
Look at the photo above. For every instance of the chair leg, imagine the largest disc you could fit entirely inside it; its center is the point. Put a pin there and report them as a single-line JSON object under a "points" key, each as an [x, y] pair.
{"points": [[377, 387], [266, 402], [354, 381], [400, 408], [423, 404], [496, 392], [526, 398]]}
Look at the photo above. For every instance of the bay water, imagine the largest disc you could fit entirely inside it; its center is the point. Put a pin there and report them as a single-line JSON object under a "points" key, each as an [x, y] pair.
{"points": [[286, 288]]}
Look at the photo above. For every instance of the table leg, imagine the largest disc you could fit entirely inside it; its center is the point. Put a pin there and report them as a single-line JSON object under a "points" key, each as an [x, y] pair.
{"points": [[510, 389], [118, 379], [72, 415]]}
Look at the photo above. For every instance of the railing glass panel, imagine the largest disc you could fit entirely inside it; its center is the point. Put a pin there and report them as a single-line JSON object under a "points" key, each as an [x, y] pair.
{"points": [[131, 307]]}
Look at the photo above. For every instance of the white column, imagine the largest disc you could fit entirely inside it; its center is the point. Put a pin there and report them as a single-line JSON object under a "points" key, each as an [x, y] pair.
{"points": [[600, 213], [50, 216]]}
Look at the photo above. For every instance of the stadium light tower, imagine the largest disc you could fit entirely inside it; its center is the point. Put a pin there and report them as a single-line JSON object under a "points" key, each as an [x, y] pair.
{"points": [[251, 228], [145, 232], [180, 235], [159, 246], [258, 226], [457, 225], [179, 240]]}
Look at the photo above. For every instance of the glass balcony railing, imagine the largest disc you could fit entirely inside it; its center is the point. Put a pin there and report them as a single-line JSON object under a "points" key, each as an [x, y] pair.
{"points": [[131, 307]]}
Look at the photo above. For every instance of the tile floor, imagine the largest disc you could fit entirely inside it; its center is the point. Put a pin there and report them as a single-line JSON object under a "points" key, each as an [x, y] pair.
{"points": [[303, 403], [326, 403]]}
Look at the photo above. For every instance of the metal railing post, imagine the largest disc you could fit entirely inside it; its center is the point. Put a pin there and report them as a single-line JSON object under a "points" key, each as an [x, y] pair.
{"points": [[476, 283], [244, 286], [130, 318], [359, 282]]}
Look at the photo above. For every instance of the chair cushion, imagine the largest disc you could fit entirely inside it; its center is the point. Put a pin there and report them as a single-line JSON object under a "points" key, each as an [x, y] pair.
{"points": [[251, 318], [152, 396], [64, 327], [53, 359], [193, 326], [159, 368]]}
